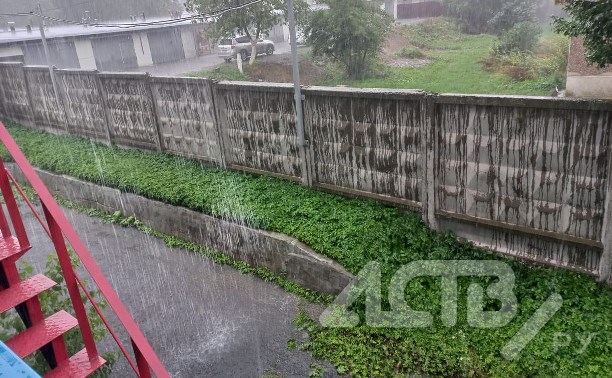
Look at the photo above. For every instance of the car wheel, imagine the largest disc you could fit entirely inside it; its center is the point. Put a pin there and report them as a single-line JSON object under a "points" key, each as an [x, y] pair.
{"points": [[244, 55], [270, 50]]}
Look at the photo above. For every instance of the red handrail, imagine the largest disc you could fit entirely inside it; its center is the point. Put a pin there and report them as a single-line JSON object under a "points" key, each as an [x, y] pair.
{"points": [[145, 356]]}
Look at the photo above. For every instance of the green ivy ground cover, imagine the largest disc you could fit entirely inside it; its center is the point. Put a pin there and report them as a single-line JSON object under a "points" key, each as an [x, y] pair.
{"points": [[355, 232]]}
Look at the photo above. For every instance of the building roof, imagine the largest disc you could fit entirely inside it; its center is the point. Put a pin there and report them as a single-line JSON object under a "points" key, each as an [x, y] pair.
{"points": [[21, 34]]}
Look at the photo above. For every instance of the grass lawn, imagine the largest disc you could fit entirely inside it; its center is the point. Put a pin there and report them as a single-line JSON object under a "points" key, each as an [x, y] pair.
{"points": [[455, 68], [355, 232]]}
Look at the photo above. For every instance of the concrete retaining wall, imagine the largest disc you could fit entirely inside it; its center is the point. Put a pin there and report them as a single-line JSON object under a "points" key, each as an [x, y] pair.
{"points": [[278, 253], [523, 176]]}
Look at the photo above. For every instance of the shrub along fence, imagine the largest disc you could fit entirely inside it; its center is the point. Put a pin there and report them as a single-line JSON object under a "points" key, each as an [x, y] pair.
{"points": [[523, 176]]}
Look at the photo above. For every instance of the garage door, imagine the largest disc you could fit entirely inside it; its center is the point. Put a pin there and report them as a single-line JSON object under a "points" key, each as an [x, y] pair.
{"points": [[62, 53], [114, 53], [166, 45]]}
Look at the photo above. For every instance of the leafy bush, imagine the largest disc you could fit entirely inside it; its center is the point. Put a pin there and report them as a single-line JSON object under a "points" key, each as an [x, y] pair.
{"points": [[522, 37], [491, 16], [52, 301], [340, 33], [411, 53], [355, 232], [547, 64]]}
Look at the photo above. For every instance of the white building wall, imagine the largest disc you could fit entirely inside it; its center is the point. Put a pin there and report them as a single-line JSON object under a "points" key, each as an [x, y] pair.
{"points": [[189, 44], [596, 86], [85, 53], [143, 50], [10, 51]]}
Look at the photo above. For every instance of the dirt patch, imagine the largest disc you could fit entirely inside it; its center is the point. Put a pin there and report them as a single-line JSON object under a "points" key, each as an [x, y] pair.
{"points": [[396, 42], [280, 71]]}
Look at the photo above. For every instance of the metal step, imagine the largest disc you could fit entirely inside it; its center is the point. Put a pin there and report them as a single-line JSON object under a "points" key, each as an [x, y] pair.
{"points": [[24, 290], [10, 248], [77, 366], [41, 333]]}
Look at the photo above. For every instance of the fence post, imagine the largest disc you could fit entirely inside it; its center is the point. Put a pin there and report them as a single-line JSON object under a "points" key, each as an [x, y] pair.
{"points": [[158, 126], [211, 87], [310, 166], [605, 261], [225, 145], [107, 115], [430, 159]]}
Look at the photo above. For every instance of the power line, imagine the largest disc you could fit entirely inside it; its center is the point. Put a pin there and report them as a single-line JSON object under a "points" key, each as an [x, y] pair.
{"points": [[140, 24], [15, 14]]}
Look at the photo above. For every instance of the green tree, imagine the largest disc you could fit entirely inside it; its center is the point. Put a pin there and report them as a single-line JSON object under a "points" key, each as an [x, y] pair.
{"points": [[350, 32], [593, 20], [253, 21], [491, 16]]}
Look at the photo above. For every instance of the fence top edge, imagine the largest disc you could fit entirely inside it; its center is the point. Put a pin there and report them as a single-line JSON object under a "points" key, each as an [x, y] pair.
{"points": [[11, 64], [178, 79], [525, 101], [123, 75], [255, 85], [36, 68], [365, 92], [75, 71]]}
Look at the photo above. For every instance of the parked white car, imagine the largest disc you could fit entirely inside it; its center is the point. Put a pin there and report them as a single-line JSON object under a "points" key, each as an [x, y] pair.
{"points": [[229, 48]]}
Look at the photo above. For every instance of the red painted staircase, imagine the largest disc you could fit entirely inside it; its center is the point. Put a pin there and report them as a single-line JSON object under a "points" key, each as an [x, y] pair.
{"points": [[46, 334]]}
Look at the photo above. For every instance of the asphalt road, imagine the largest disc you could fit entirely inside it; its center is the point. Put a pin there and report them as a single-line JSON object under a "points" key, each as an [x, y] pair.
{"points": [[202, 63], [203, 319]]}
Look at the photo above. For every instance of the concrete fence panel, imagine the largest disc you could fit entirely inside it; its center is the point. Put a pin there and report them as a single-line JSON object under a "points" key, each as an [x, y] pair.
{"points": [[258, 126], [14, 91], [527, 177], [187, 119], [84, 104], [47, 108], [131, 110], [536, 168], [367, 142]]}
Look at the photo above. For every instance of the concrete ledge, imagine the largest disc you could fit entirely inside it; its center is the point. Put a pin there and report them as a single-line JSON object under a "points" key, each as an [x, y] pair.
{"points": [[278, 253]]}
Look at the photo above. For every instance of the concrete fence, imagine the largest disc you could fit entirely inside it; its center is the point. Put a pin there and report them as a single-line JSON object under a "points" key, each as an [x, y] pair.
{"points": [[523, 176]]}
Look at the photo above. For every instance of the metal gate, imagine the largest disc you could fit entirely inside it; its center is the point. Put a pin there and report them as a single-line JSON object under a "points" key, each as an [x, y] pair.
{"points": [[166, 45], [114, 53]]}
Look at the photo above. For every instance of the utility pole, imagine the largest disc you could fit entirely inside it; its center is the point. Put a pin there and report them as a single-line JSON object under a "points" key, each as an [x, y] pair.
{"points": [[306, 179], [48, 56]]}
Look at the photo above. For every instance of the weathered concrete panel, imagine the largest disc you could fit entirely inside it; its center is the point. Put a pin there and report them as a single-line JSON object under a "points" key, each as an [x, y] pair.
{"points": [[84, 104], [366, 140], [187, 119], [528, 166], [14, 92], [258, 126], [47, 108], [543, 250], [538, 166], [131, 110], [276, 252]]}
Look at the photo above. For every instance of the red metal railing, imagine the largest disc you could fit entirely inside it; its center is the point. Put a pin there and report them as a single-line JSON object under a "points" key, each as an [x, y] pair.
{"points": [[60, 230]]}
